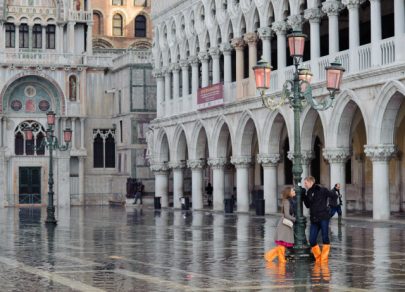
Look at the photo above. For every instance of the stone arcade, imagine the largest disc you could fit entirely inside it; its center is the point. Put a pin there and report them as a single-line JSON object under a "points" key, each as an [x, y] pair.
{"points": [[358, 142]]}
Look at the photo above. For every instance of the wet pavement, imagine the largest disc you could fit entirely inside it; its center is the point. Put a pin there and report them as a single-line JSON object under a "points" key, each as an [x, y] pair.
{"points": [[140, 249]]}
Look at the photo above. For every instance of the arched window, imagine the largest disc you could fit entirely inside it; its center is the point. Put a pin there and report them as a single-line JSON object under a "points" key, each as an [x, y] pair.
{"points": [[140, 26], [24, 147], [104, 148], [37, 37], [10, 35], [117, 25], [97, 24]]}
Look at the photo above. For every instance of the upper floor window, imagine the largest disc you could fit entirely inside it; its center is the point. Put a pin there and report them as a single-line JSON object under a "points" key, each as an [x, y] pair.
{"points": [[50, 37], [117, 25], [37, 37], [24, 147], [140, 26], [24, 36], [143, 3], [10, 35], [117, 2], [104, 148]]}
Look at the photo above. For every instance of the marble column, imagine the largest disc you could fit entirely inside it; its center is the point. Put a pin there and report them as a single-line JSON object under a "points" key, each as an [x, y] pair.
{"points": [[3, 177], [251, 39], [280, 28], [194, 62], [178, 182], [242, 164], [82, 133], [265, 36], [270, 184], [315, 17], [71, 37], [216, 74], [360, 180], [1, 131], [185, 65], [63, 179], [197, 168], [17, 36], [89, 39], [239, 45], [337, 159], [332, 8], [399, 16], [168, 90], [43, 38], [205, 72], [160, 91], [73, 121], [2, 35], [60, 38], [228, 180], [218, 166], [30, 42], [354, 32], [376, 33], [175, 68], [398, 181], [226, 49], [161, 171], [381, 156], [81, 174]]}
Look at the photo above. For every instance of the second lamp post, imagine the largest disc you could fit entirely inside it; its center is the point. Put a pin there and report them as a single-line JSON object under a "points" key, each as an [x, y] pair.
{"points": [[298, 92]]}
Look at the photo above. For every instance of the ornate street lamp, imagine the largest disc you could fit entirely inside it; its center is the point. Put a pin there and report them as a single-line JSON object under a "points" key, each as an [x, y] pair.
{"points": [[51, 143], [298, 91]]}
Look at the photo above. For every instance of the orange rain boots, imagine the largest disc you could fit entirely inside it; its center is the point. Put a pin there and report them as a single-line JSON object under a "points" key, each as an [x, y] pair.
{"points": [[271, 254], [281, 254], [325, 253], [317, 253]]}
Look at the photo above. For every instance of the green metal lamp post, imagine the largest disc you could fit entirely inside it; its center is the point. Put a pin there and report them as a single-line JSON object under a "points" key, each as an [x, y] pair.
{"points": [[298, 91], [51, 143]]}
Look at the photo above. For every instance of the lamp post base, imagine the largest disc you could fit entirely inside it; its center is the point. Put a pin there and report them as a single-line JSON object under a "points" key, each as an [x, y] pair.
{"points": [[301, 254], [50, 216]]}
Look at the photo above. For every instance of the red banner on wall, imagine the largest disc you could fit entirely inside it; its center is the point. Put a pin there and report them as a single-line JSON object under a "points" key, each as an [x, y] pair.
{"points": [[210, 96]]}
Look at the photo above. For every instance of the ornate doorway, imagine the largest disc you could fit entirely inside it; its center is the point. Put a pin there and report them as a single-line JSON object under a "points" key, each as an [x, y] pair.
{"points": [[30, 185]]}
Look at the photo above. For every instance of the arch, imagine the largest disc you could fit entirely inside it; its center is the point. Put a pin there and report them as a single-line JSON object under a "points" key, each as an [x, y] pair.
{"points": [[118, 24], [308, 120], [342, 117], [220, 137], [8, 87], [141, 45], [180, 143], [98, 18], [199, 139], [246, 129], [382, 127], [272, 132], [102, 43], [162, 147]]}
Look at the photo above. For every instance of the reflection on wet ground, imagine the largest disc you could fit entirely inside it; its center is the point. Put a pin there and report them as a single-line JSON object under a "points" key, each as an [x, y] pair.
{"points": [[133, 249]]}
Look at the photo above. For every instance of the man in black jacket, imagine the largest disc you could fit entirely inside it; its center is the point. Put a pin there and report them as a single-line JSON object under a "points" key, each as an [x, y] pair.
{"points": [[316, 198], [334, 205]]}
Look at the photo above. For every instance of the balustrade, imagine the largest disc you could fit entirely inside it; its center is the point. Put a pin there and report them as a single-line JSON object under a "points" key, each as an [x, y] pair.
{"points": [[387, 48]]}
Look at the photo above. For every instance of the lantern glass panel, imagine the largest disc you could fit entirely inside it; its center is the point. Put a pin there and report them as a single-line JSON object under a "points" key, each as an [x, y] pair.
{"points": [[334, 78], [51, 118], [296, 45], [259, 75], [267, 77], [28, 134], [68, 135]]}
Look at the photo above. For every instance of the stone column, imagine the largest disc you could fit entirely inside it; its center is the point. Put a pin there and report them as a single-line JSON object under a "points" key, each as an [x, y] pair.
{"points": [[82, 133], [195, 76], [270, 184], [265, 36], [399, 16], [89, 39], [2, 35], [337, 159], [251, 39], [17, 36], [60, 38], [227, 51], [1, 131], [178, 182], [175, 68], [185, 65], [44, 38], [168, 90], [398, 180], [376, 34], [239, 46], [315, 16], [160, 91], [242, 164], [30, 28], [63, 179], [71, 37], [197, 167], [216, 74], [218, 167], [360, 175], [81, 174], [3, 177], [332, 8], [73, 121], [161, 171], [228, 180], [354, 32], [280, 28], [381, 156], [205, 74]]}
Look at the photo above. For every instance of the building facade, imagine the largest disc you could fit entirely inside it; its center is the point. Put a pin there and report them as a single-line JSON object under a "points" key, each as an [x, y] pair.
{"points": [[47, 63], [358, 142]]}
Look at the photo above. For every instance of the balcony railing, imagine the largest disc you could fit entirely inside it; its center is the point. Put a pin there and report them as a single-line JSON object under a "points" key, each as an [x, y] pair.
{"points": [[133, 57], [364, 55], [80, 15], [387, 47], [245, 87], [343, 58]]}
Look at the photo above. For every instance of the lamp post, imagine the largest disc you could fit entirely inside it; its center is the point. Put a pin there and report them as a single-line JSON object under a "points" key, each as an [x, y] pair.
{"points": [[298, 92], [51, 143]]}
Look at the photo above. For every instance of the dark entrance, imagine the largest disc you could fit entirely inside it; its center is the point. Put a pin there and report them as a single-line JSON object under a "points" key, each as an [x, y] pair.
{"points": [[30, 185]]}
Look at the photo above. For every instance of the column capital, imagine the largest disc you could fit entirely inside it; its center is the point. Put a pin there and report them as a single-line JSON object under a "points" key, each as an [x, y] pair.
{"points": [[264, 33], [332, 7], [166, 71], [307, 157], [204, 57], [215, 53], [251, 39], [194, 61], [71, 23], [353, 4], [241, 161], [314, 15], [196, 164], [238, 43], [17, 24], [380, 152], [157, 73], [295, 21], [269, 159], [184, 64], [177, 165], [174, 67], [226, 48], [279, 27], [217, 163], [160, 168], [337, 155]]}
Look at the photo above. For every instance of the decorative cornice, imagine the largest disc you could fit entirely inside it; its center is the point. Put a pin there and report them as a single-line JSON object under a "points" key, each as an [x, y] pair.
{"points": [[314, 15], [204, 57], [295, 21], [264, 33], [353, 3], [380, 152], [332, 8], [218, 163], [268, 159], [338, 155], [215, 53], [238, 43], [226, 48], [160, 168], [241, 161], [177, 165], [279, 27], [196, 164], [251, 38]]}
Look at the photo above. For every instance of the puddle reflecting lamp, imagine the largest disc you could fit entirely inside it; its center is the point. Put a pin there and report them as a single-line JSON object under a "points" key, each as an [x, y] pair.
{"points": [[298, 93]]}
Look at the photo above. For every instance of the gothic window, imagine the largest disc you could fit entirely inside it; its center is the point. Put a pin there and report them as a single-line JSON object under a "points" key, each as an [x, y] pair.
{"points": [[140, 26], [24, 36], [37, 37], [50, 37], [24, 147], [97, 23], [117, 25], [10, 35], [104, 148]]}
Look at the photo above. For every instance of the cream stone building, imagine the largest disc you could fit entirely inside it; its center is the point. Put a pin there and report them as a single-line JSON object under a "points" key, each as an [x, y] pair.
{"points": [[47, 63], [358, 142]]}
